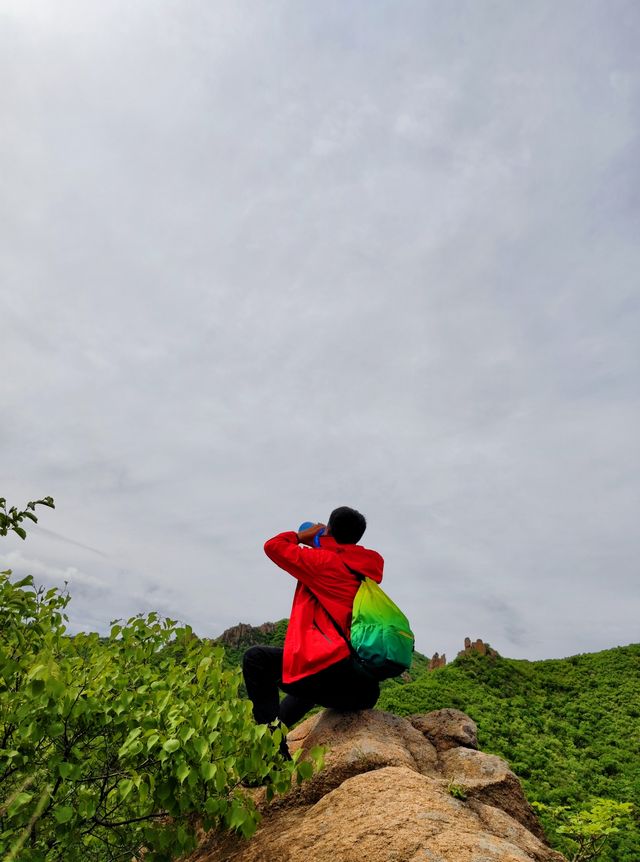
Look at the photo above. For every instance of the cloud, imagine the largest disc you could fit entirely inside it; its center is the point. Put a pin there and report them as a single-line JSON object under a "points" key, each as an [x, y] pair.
{"points": [[259, 262], [45, 573]]}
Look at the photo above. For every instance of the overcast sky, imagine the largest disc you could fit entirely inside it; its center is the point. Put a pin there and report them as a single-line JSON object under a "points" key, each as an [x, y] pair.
{"points": [[261, 259]]}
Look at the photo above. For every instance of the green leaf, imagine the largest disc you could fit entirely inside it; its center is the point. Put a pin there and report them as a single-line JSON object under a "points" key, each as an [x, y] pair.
{"points": [[182, 772], [86, 806], [305, 769], [125, 787], [134, 734], [186, 733], [21, 532], [202, 747], [36, 686], [153, 739], [24, 582], [69, 770], [212, 806], [171, 745], [143, 792], [63, 814], [207, 771]]}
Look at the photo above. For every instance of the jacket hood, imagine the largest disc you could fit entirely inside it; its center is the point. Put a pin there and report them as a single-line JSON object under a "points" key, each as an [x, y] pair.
{"points": [[362, 560]]}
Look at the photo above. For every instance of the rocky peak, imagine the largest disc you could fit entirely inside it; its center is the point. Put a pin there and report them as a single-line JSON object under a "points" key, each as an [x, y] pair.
{"points": [[245, 635], [477, 646], [437, 661], [393, 790], [470, 647]]}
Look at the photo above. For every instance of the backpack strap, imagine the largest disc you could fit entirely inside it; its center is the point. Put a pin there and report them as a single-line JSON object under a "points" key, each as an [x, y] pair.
{"points": [[338, 627], [353, 572]]}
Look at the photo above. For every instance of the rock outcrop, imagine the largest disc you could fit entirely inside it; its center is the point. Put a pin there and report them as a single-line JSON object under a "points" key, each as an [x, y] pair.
{"points": [[436, 661], [243, 634], [477, 646], [470, 647], [393, 790], [447, 728]]}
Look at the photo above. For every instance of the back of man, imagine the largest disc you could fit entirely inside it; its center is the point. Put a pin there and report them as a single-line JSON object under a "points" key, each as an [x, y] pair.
{"points": [[315, 666]]}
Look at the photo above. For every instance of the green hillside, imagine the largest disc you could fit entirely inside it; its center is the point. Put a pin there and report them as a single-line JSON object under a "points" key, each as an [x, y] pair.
{"points": [[569, 728]]}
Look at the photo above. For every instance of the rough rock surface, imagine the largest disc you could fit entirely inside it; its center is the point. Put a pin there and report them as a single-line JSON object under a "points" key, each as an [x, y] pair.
{"points": [[477, 646], [488, 778], [384, 796], [358, 742], [243, 634], [447, 728]]}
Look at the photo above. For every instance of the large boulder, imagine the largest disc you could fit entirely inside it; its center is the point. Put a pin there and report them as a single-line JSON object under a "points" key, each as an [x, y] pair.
{"points": [[358, 742], [385, 795]]}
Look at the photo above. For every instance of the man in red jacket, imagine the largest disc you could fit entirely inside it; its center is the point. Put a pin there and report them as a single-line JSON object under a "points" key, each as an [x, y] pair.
{"points": [[315, 666]]}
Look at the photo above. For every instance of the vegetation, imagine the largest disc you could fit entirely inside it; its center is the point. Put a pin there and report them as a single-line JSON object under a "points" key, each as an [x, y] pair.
{"points": [[588, 832], [567, 727], [11, 519], [458, 791], [108, 745]]}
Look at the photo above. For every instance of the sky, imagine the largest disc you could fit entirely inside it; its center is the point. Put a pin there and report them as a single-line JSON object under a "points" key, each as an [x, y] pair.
{"points": [[259, 260]]}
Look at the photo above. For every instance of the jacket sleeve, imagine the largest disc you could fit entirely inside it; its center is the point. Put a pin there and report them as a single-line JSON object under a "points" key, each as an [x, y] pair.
{"points": [[303, 563]]}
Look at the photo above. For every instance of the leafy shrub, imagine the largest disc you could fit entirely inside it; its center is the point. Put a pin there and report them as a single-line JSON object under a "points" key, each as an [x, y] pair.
{"points": [[11, 519], [109, 745], [587, 832]]}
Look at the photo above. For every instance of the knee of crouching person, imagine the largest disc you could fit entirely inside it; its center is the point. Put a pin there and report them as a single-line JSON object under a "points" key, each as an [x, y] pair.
{"points": [[251, 657]]}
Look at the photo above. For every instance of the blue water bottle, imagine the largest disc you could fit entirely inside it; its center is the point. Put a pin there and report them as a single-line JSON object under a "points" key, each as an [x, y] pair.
{"points": [[316, 538]]}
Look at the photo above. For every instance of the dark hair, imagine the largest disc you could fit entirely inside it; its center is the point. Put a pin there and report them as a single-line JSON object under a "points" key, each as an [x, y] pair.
{"points": [[346, 525]]}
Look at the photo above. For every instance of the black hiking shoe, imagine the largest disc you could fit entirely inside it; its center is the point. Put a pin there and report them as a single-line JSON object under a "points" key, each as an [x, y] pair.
{"points": [[284, 749]]}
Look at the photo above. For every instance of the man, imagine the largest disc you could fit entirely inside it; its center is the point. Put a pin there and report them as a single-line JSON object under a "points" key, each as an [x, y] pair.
{"points": [[315, 666]]}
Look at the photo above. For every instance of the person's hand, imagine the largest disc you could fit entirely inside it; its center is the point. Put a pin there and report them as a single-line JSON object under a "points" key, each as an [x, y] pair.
{"points": [[306, 537]]}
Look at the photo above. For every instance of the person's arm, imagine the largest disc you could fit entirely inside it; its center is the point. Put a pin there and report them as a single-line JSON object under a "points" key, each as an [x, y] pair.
{"points": [[285, 551], [306, 537]]}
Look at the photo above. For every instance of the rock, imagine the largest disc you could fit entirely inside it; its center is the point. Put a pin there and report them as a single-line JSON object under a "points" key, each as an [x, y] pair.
{"points": [[384, 796], [502, 825], [489, 779], [478, 646], [244, 635], [359, 742], [437, 661], [447, 728], [389, 815]]}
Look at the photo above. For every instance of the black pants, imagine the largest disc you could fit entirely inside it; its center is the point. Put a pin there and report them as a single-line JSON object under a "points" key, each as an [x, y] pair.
{"points": [[340, 686]]}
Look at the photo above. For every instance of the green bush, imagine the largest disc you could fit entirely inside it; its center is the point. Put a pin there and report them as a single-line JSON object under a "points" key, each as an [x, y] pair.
{"points": [[111, 744], [584, 835]]}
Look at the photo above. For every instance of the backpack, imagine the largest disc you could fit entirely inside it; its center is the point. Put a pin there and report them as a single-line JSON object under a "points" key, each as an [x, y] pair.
{"points": [[382, 642]]}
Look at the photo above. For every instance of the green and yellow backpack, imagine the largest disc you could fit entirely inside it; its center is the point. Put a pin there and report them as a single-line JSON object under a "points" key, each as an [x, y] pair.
{"points": [[381, 638]]}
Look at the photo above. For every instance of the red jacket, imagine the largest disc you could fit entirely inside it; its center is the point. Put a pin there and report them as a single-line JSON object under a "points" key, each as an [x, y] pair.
{"points": [[312, 642]]}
